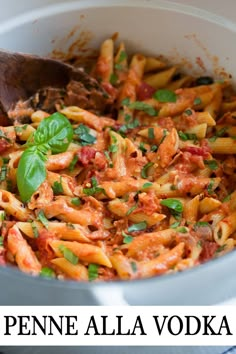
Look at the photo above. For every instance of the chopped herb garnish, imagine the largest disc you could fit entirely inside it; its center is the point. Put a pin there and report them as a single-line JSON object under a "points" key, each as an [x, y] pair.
{"points": [[182, 230], [138, 227], [131, 210], [197, 101], [82, 133], [57, 187], [164, 135], [70, 226], [187, 136], [113, 79], [142, 147], [127, 238], [199, 244], [173, 204], [94, 189], [92, 271], [122, 57], [145, 169], [113, 148], [129, 126], [68, 254], [151, 133], [210, 187], [147, 185], [3, 136], [42, 218], [47, 272], [19, 129], [227, 198], [188, 112], [175, 225], [2, 215], [134, 266], [154, 148], [201, 224], [220, 249], [106, 153], [219, 234], [165, 95], [127, 118], [35, 230], [75, 201], [218, 134], [3, 173], [1, 241], [140, 106], [204, 80], [212, 164], [73, 163], [173, 187]]}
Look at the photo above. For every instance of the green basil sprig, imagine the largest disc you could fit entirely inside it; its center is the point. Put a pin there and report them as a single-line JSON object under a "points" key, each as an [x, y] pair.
{"points": [[53, 134]]}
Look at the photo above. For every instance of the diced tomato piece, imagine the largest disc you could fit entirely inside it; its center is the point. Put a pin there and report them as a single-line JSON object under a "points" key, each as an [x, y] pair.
{"points": [[208, 250], [46, 254], [145, 91], [86, 154], [200, 151]]}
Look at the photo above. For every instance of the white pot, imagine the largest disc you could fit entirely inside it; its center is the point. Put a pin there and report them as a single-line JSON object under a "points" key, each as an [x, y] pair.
{"points": [[150, 26]]}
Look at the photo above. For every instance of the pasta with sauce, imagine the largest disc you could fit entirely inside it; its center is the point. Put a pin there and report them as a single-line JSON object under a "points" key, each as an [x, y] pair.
{"points": [[146, 189]]}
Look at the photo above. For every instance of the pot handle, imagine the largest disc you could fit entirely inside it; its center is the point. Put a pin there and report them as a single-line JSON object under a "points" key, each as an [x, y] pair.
{"points": [[109, 297]]}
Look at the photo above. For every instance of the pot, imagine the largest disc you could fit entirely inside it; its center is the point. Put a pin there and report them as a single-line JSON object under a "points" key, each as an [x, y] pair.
{"points": [[182, 34]]}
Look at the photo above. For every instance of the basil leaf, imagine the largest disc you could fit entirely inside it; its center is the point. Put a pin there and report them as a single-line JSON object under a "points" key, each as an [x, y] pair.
{"points": [[165, 95], [83, 134], [54, 132], [138, 227], [47, 272], [145, 169], [212, 164], [57, 187], [93, 271], [68, 254], [31, 172], [43, 219], [173, 204]]}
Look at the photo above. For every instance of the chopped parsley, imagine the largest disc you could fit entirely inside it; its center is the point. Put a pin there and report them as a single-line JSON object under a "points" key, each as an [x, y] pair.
{"points": [[47, 272], [3, 173], [43, 219], [73, 163], [76, 201], [175, 225], [210, 187], [218, 134], [82, 133], [187, 136], [134, 266], [129, 126], [201, 224], [122, 57], [113, 79], [197, 101], [93, 271], [35, 230], [113, 148], [140, 106], [188, 112], [142, 147], [131, 210], [145, 169], [151, 133], [154, 148], [182, 230], [1, 241], [212, 164], [138, 227], [106, 153], [164, 95], [127, 238], [68, 254], [147, 185], [94, 189], [57, 187]]}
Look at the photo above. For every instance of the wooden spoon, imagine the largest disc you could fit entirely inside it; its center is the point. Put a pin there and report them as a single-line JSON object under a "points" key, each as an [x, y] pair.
{"points": [[22, 75]]}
